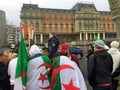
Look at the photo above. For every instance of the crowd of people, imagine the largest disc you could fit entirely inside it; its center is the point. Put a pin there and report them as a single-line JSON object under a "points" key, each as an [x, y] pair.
{"points": [[56, 68]]}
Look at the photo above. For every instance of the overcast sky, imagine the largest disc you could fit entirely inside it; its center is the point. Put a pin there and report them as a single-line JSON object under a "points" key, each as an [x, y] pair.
{"points": [[13, 7]]}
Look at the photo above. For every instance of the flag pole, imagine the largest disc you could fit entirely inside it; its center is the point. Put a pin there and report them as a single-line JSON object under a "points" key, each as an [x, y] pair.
{"points": [[30, 1], [29, 44]]}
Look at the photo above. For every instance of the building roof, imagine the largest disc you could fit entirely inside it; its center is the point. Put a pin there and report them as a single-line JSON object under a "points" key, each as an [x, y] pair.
{"points": [[105, 13], [76, 7]]}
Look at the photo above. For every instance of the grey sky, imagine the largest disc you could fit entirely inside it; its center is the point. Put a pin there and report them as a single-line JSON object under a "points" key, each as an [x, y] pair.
{"points": [[13, 7]]}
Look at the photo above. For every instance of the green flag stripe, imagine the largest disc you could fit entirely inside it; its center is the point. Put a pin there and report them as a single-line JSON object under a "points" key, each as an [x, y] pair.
{"points": [[22, 62], [47, 60], [57, 84]]}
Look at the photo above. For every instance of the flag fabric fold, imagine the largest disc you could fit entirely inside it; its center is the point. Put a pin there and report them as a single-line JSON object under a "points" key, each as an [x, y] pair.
{"points": [[66, 75], [96, 37], [37, 79], [22, 63]]}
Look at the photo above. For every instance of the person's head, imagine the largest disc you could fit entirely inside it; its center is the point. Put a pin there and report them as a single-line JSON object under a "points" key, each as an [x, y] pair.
{"points": [[14, 53], [1, 55], [15, 50], [52, 35], [90, 47], [64, 49], [99, 44], [114, 44], [34, 50], [3, 58], [45, 50]]}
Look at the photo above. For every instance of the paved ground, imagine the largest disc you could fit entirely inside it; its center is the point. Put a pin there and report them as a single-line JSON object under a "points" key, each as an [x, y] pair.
{"points": [[83, 68]]}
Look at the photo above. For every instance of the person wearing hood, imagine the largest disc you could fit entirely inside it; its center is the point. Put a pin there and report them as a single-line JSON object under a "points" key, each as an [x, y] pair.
{"points": [[115, 53], [100, 67], [53, 44], [37, 78]]}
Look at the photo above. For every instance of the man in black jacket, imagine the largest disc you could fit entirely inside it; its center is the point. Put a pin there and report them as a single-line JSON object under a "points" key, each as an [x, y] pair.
{"points": [[100, 65], [53, 44], [4, 78]]}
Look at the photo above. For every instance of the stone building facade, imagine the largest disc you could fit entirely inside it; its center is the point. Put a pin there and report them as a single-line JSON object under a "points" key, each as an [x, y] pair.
{"points": [[76, 25], [3, 33], [115, 10], [13, 34]]}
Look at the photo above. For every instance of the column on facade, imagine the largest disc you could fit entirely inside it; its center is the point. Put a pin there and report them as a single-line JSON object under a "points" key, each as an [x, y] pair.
{"points": [[35, 39], [90, 36], [86, 36], [41, 38], [99, 35], [103, 35], [80, 36]]}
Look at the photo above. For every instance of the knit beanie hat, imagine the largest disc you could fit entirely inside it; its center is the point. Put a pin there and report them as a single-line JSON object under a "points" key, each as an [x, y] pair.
{"points": [[34, 50], [114, 44], [53, 33], [99, 44]]}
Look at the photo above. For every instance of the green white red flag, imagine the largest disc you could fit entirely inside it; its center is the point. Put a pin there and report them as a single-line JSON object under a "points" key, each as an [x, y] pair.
{"points": [[66, 75], [37, 79], [22, 64]]}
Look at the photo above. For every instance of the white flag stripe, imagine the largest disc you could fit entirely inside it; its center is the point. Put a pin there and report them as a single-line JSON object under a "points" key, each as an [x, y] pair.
{"points": [[68, 74], [33, 74]]}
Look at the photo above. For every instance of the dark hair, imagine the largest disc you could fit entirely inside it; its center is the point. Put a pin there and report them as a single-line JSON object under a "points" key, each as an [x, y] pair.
{"points": [[45, 49], [15, 50], [91, 45], [55, 55], [1, 53]]}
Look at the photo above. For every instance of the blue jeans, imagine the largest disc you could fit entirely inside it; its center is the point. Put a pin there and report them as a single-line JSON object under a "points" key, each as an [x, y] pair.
{"points": [[102, 88]]}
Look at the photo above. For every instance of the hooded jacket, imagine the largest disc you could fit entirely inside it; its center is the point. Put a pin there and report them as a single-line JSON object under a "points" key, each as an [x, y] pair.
{"points": [[53, 44], [99, 68], [37, 66], [115, 53], [34, 50]]}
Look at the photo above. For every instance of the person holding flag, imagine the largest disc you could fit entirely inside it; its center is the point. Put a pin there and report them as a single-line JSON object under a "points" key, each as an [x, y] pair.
{"points": [[66, 74], [37, 77]]}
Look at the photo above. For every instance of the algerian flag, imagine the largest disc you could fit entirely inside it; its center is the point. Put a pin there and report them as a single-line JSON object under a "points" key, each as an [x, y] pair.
{"points": [[37, 79], [21, 68], [66, 75], [96, 37]]}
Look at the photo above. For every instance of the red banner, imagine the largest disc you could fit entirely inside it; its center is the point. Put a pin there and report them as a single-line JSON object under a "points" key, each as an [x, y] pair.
{"points": [[23, 30]]}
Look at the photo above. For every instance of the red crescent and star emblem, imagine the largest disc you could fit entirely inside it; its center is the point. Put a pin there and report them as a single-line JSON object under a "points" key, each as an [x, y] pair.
{"points": [[70, 86], [43, 77]]}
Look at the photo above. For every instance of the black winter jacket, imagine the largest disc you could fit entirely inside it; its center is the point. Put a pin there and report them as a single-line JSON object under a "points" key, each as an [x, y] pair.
{"points": [[100, 66], [4, 78], [53, 46]]}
